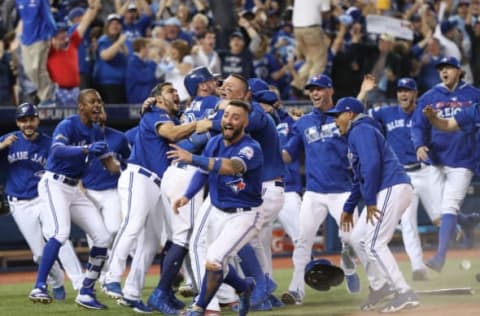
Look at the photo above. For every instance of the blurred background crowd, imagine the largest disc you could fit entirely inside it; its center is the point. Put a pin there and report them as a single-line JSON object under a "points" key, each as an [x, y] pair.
{"points": [[52, 49]]}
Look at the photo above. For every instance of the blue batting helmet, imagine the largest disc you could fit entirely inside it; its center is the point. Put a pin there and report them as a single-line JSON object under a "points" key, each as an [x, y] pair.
{"points": [[195, 77], [321, 274], [26, 110]]}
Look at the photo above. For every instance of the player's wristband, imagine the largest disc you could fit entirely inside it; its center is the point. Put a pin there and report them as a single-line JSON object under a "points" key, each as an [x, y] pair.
{"points": [[201, 162], [217, 164]]}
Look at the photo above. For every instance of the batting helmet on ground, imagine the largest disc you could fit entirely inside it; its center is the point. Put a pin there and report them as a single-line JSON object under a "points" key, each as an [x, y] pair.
{"points": [[26, 110], [321, 274], [195, 77]]}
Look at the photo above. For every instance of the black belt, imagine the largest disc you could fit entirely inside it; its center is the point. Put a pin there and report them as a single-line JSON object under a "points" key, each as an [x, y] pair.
{"points": [[150, 175], [413, 167], [181, 165], [279, 184], [69, 181], [15, 199], [236, 209]]}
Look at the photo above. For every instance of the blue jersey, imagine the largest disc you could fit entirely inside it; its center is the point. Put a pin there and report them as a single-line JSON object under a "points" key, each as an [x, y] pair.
{"points": [[96, 176], [241, 190], [139, 79], [72, 132], [37, 20], [292, 178], [112, 71], [396, 125], [456, 149], [326, 164], [131, 134], [150, 149], [375, 166], [200, 107], [262, 128], [26, 163]]}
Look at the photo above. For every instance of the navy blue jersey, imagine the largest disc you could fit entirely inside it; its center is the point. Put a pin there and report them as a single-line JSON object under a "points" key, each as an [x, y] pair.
{"points": [[262, 128], [96, 176], [26, 163], [72, 132], [241, 190], [326, 165], [150, 149], [374, 163], [455, 149], [292, 178], [396, 125], [131, 134]]}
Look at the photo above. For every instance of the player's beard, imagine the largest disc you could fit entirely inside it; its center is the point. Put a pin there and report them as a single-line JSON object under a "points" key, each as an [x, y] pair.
{"points": [[231, 134]]}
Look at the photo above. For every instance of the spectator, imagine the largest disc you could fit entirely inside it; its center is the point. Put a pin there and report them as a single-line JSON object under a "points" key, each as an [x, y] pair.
{"points": [[237, 60], [111, 62], [136, 15], [38, 27], [140, 77], [198, 26], [8, 72], [173, 31], [428, 73], [175, 66], [311, 39], [204, 53], [473, 30], [62, 64]]}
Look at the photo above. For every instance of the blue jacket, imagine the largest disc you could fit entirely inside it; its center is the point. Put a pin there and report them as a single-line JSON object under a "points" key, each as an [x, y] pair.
{"points": [[140, 79], [375, 166]]}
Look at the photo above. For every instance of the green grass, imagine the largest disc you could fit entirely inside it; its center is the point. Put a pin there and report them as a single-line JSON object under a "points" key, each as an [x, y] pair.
{"points": [[13, 298]]}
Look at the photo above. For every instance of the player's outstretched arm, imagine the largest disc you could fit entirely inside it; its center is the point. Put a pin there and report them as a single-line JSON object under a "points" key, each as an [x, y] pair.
{"points": [[447, 125], [8, 141]]}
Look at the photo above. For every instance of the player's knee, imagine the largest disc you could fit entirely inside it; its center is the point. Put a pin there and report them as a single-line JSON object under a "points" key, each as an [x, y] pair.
{"points": [[61, 237], [213, 266], [102, 241]]}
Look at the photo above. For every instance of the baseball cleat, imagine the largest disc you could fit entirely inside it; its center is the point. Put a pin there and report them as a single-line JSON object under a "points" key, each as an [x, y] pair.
{"points": [[435, 263], [244, 298], [136, 305], [376, 297], [291, 298], [86, 298], [419, 275], [401, 301], [160, 301], [59, 293], [352, 283], [187, 290], [40, 295], [113, 290], [175, 302], [275, 301]]}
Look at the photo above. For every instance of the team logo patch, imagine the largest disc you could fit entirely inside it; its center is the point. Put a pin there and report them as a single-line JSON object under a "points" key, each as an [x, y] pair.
{"points": [[236, 185], [247, 152], [61, 137]]}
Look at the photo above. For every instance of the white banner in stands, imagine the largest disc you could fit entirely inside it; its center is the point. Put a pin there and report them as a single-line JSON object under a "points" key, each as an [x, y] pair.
{"points": [[379, 24]]}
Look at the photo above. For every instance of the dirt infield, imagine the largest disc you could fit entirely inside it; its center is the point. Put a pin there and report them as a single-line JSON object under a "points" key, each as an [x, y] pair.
{"points": [[278, 263]]}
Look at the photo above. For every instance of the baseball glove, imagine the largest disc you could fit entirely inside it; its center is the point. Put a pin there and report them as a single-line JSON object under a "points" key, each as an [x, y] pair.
{"points": [[321, 274]]}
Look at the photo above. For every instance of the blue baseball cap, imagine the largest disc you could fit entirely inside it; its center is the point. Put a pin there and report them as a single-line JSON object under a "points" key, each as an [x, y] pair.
{"points": [[320, 81], [447, 26], [406, 83], [265, 96], [256, 85], [450, 61], [347, 104], [75, 13]]}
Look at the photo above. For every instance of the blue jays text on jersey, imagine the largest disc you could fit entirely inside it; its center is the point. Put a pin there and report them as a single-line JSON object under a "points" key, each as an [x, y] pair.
{"points": [[450, 149], [396, 125], [326, 164], [26, 163]]}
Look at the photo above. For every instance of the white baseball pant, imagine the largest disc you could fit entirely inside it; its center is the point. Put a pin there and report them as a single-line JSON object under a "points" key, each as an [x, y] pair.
{"points": [[370, 241], [289, 215]]}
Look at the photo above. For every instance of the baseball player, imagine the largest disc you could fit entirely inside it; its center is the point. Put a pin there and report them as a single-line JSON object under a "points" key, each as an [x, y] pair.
{"points": [[328, 183], [101, 185], [139, 186], [26, 151], [382, 182], [396, 122], [451, 154], [262, 128], [76, 141], [201, 86], [232, 164]]}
